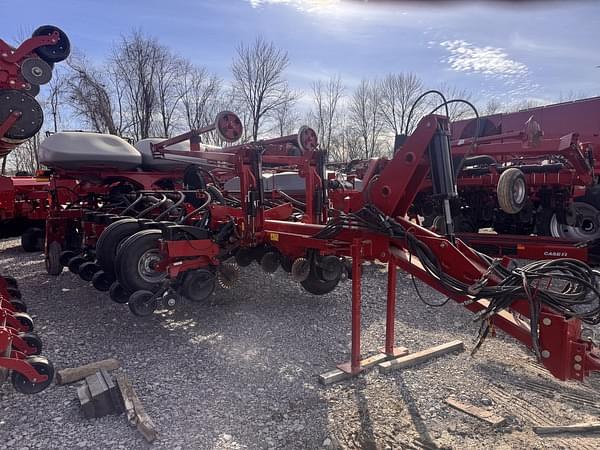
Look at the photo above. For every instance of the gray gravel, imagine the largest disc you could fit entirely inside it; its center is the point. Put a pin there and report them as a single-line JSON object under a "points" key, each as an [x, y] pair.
{"points": [[242, 371]]}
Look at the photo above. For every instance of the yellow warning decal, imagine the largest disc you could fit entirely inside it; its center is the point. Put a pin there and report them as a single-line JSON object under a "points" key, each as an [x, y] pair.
{"points": [[274, 237]]}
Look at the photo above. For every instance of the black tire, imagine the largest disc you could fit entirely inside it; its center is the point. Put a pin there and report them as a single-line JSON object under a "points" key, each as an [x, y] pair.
{"points": [[25, 320], [118, 294], [102, 281], [110, 240], [24, 386], [133, 265], [32, 240], [75, 263], [198, 285], [14, 293], [65, 256], [142, 303], [53, 259], [511, 191], [10, 281], [315, 284], [32, 340], [19, 305], [53, 53], [87, 271], [542, 222]]}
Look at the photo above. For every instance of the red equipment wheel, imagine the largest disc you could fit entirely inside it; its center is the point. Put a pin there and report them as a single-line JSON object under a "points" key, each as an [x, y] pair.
{"points": [[53, 53], [32, 340], [117, 293], [142, 303], [25, 320], [307, 139], [31, 118], [228, 126], [111, 239], [24, 386], [32, 240], [198, 285], [53, 262], [136, 262], [511, 191]]}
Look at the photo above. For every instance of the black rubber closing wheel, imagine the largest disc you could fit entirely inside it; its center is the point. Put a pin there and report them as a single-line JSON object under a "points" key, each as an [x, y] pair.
{"points": [[102, 281], [87, 270], [136, 262], [25, 320], [511, 191], [32, 240], [198, 285], [75, 263], [315, 284], [65, 257], [36, 71], [142, 303], [19, 305], [24, 386], [53, 53], [53, 262], [117, 293], [111, 239], [10, 281], [14, 293], [32, 116], [32, 340]]}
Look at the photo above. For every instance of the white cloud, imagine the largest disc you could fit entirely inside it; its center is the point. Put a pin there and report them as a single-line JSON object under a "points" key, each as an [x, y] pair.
{"points": [[491, 61], [302, 5]]}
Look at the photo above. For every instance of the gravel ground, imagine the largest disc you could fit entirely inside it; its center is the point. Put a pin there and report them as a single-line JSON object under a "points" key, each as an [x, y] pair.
{"points": [[242, 371]]}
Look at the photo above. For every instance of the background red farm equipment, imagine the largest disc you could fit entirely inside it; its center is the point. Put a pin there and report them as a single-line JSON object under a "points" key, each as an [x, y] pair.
{"points": [[533, 171], [22, 71]]}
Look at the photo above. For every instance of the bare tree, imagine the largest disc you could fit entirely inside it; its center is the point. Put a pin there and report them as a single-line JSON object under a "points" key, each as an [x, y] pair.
{"points": [[56, 92], [89, 96], [326, 98], [457, 110], [136, 64], [24, 158], [169, 72], [286, 116], [493, 106], [398, 93], [258, 80], [365, 117]]}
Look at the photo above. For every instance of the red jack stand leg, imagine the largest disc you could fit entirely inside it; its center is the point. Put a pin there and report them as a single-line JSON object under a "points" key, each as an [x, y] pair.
{"points": [[390, 317], [354, 367]]}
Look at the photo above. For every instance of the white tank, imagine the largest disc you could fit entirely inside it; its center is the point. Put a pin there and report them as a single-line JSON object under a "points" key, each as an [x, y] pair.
{"points": [[159, 164], [74, 150]]}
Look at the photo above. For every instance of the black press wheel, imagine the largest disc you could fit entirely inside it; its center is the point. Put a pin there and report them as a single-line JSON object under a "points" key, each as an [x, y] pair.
{"points": [[111, 239], [511, 191], [25, 320], [142, 303], [10, 281], [14, 293], [66, 256], [198, 285], [33, 341], [36, 71], [54, 266], [53, 53], [137, 260], [43, 367], [75, 263], [316, 285], [102, 281], [87, 271], [32, 240], [19, 305], [117, 293]]}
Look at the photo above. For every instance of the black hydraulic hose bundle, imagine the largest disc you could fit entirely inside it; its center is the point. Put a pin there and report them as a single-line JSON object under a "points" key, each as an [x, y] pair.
{"points": [[567, 286]]}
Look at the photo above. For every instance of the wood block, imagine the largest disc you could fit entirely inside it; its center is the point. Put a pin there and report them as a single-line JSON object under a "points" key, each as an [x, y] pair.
{"points": [[136, 414], [333, 376], [419, 357], [477, 412], [66, 376], [575, 428]]}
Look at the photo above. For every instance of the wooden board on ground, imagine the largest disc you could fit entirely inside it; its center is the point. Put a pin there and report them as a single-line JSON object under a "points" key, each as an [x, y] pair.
{"points": [[477, 412], [575, 428], [67, 376], [419, 357], [333, 376], [136, 414]]}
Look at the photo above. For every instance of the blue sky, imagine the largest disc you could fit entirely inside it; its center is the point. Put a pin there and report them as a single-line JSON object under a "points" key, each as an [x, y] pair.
{"points": [[539, 50]]}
